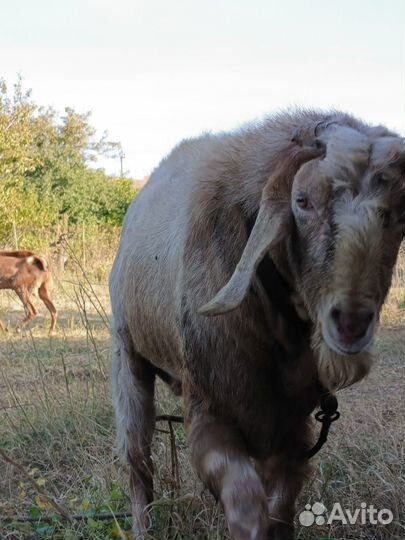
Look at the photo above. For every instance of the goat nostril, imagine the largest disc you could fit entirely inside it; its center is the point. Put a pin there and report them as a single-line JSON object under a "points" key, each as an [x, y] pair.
{"points": [[335, 314], [368, 317], [359, 322], [351, 325]]}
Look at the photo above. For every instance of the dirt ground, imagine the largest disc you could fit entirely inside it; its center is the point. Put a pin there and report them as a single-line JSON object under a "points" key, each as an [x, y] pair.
{"points": [[56, 425]]}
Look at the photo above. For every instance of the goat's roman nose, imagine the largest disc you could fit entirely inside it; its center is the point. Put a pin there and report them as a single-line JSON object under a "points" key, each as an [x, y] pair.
{"points": [[352, 325]]}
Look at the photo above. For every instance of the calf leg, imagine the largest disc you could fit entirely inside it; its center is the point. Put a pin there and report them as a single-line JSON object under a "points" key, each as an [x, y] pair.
{"points": [[29, 309], [133, 391], [32, 307], [282, 479], [221, 461], [43, 293]]}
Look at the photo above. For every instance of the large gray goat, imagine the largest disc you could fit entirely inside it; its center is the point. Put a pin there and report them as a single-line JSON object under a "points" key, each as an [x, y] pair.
{"points": [[251, 272]]}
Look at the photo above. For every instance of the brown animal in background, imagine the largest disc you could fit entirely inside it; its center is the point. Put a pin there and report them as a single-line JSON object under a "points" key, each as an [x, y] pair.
{"points": [[297, 222], [27, 274]]}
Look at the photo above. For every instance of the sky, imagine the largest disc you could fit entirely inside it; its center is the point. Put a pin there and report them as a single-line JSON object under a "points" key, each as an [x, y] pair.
{"points": [[155, 72]]}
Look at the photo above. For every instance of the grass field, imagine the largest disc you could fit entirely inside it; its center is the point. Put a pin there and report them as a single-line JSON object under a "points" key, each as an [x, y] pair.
{"points": [[56, 429]]}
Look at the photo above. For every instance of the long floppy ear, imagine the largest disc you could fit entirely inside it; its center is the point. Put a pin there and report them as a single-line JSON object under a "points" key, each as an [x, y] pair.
{"points": [[271, 226]]}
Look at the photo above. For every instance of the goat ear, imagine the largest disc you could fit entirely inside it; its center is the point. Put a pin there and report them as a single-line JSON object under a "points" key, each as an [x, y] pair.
{"points": [[272, 225]]}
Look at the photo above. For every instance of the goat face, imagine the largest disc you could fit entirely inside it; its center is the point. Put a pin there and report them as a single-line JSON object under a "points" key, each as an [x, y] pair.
{"points": [[348, 212], [339, 205]]}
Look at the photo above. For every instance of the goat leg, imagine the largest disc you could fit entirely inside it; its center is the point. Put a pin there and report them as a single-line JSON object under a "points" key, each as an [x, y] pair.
{"points": [[282, 478], [133, 390], [223, 465]]}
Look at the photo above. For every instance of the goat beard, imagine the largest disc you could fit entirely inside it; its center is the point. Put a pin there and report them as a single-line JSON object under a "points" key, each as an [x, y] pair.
{"points": [[337, 371]]}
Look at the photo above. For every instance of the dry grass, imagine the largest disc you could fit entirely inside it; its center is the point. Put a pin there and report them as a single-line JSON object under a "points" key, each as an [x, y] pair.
{"points": [[56, 420]]}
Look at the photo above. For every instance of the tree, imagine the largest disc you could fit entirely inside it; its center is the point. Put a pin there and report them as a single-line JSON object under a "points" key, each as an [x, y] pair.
{"points": [[47, 168]]}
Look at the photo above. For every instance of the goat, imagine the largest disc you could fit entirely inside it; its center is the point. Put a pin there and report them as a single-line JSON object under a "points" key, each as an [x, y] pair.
{"points": [[26, 274], [251, 271]]}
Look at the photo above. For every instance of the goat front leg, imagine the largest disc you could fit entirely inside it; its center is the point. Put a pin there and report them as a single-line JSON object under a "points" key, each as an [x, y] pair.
{"points": [[223, 465], [283, 479]]}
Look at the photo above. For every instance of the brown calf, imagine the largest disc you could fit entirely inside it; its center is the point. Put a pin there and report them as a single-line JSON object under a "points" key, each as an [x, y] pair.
{"points": [[26, 274]]}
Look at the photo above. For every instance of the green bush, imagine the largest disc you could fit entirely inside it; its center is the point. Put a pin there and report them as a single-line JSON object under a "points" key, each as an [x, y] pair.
{"points": [[48, 175]]}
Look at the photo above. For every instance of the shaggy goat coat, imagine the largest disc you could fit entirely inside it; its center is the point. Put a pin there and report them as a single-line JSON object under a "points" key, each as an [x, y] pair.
{"points": [[262, 365]]}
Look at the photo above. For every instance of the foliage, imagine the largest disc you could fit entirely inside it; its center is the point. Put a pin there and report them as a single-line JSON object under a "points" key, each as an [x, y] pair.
{"points": [[47, 172]]}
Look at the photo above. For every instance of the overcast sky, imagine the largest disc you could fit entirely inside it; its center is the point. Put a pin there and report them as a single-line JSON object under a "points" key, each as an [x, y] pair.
{"points": [[153, 72]]}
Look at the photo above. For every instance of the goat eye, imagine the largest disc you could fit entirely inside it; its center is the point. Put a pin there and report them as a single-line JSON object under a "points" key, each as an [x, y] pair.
{"points": [[303, 203], [381, 180]]}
